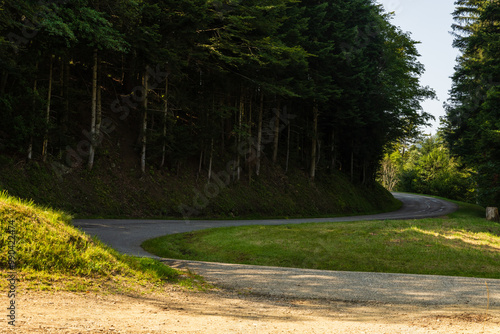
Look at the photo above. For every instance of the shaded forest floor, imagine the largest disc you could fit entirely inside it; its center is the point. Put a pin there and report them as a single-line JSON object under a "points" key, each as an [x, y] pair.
{"points": [[113, 190]]}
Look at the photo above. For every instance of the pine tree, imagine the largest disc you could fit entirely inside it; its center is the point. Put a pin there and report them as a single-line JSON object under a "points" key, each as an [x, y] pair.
{"points": [[472, 122]]}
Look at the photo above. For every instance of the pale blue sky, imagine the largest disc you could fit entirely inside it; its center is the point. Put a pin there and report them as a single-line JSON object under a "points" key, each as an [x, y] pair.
{"points": [[429, 22]]}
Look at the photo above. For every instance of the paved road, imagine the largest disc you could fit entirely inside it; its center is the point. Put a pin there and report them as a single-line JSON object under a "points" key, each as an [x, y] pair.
{"points": [[127, 235]]}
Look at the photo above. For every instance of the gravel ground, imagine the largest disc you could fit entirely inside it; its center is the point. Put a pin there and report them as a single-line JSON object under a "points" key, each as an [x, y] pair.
{"points": [[221, 312], [347, 286]]}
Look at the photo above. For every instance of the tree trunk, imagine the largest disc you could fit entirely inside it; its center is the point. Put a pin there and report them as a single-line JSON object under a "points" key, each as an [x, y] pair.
{"points": [[259, 134], [99, 101], [332, 152], [200, 164], [365, 164], [165, 115], [66, 91], [223, 137], [144, 120], [35, 94], [352, 162], [240, 123], [93, 119], [492, 214], [210, 161], [314, 141], [288, 148], [250, 148], [60, 119], [276, 135], [47, 115]]}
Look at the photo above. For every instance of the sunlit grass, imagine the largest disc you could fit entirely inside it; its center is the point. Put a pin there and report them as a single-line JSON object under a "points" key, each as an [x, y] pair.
{"points": [[461, 244], [52, 254]]}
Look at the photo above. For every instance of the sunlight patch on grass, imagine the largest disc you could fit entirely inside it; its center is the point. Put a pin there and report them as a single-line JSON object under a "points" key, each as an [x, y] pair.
{"points": [[461, 244]]}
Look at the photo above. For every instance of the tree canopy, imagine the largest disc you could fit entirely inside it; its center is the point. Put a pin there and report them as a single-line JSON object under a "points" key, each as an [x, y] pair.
{"points": [[195, 80]]}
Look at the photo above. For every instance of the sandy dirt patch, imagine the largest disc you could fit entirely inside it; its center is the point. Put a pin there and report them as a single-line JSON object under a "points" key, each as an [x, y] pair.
{"points": [[176, 311]]}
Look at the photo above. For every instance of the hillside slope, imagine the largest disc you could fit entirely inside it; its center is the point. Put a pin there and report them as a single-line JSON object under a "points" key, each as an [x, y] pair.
{"points": [[110, 191], [46, 252]]}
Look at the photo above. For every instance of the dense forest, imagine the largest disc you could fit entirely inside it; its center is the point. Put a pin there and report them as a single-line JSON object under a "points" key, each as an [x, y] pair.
{"points": [[317, 85], [472, 124]]}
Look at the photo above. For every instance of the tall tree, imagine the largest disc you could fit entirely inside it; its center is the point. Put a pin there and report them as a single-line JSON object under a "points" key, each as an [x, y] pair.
{"points": [[472, 121]]}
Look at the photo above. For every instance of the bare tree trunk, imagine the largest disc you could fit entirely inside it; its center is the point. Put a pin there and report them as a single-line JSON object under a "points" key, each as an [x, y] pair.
{"points": [[314, 141], [47, 115], [66, 91], [93, 119], [276, 135], [389, 174], [144, 120], [165, 115], [288, 147], [35, 93], [99, 100], [352, 162], [240, 122], [210, 161], [259, 134], [364, 171], [223, 137], [333, 151], [200, 164], [250, 149], [60, 120]]}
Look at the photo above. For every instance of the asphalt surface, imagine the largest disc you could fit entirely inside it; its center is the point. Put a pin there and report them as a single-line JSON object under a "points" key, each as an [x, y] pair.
{"points": [[127, 235]]}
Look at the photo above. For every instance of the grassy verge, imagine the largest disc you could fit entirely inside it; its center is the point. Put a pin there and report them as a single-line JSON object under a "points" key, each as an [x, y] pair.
{"points": [[50, 254], [461, 244]]}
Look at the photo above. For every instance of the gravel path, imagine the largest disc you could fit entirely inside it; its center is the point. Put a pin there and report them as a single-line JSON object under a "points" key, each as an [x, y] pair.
{"points": [[347, 286], [127, 235]]}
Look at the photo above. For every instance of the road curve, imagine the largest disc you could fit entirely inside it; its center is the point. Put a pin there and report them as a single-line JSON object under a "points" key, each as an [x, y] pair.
{"points": [[126, 236]]}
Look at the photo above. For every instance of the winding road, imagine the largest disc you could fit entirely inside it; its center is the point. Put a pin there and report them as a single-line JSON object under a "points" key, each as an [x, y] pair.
{"points": [[127, 235]]}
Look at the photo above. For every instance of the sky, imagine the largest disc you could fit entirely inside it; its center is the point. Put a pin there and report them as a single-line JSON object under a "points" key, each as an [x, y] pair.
{"points": [[429, 22]]}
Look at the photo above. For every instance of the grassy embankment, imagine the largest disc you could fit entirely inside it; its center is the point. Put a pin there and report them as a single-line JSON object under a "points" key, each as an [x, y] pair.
{"points": [[50, 254], [111, 190], [461, 244]]}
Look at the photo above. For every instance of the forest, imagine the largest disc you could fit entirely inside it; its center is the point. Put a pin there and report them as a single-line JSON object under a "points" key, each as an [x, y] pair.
{"points": [[315, 85]]}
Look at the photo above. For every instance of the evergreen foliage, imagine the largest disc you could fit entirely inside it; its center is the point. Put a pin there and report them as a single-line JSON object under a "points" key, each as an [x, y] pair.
{"points": [[337, 74], [472, 123]]}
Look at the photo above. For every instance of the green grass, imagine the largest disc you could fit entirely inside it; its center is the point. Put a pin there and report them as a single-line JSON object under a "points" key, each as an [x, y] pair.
{"points": [[461, 244], [52, 254]]}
